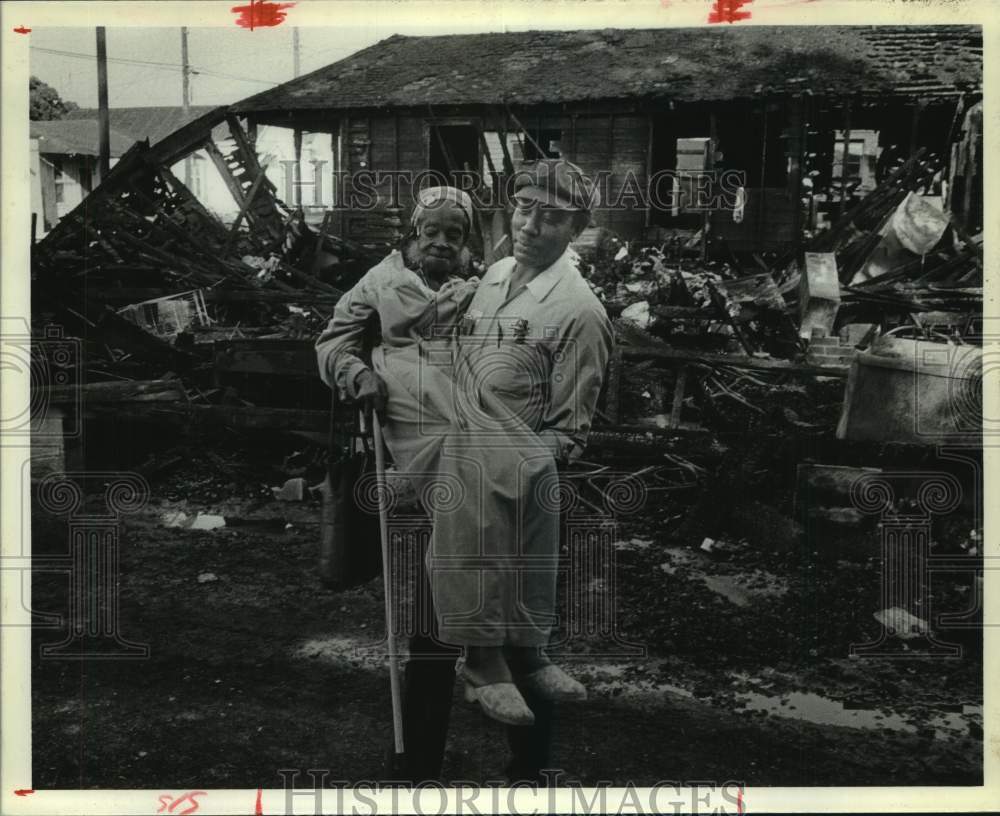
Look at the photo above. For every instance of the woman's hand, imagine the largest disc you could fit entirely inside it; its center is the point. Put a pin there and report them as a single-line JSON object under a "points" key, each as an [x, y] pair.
{"points": [[371, 394]]}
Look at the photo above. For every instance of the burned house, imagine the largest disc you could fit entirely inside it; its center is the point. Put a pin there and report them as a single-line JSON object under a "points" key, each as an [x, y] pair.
{"points": [[784, 472], [815, 117]]}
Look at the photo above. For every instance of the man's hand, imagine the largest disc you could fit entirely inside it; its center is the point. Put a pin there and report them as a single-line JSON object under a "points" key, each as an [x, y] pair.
{"points": [[371, 393]]}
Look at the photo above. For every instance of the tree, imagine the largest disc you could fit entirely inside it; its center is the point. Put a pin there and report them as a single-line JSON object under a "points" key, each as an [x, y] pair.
{"points": [[45, 102]]}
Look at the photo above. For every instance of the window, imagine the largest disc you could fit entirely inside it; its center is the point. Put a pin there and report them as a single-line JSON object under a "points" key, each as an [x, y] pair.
{"points": [[517, 149], [862, 153], [852, 168], [693, 158], [58, 179]]}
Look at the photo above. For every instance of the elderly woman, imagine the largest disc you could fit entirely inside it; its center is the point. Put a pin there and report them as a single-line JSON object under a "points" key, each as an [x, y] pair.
{"points": [[418, 295], [483, 474]]}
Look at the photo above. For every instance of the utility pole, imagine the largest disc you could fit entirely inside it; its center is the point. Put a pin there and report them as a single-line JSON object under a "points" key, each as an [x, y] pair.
{"points": [[297, 132], [103, 118], [186, 96]]}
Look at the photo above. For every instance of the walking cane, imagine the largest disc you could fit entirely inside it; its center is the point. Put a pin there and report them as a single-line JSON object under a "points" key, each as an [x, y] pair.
{"points": [[390, 629]]}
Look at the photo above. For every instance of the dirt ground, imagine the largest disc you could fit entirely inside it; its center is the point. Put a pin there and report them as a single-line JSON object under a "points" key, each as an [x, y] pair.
{"points": [[256, 668]]}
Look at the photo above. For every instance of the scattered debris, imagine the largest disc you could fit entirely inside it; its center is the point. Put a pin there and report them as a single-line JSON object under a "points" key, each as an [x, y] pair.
{"points": [[294, 490], [900, 623], [199, 521], [819, 298], [914, 390], [207, 521]]}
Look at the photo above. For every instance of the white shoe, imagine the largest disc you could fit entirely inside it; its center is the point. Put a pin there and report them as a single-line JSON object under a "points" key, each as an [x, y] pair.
{"points": [[552, 683], [500, 701]]}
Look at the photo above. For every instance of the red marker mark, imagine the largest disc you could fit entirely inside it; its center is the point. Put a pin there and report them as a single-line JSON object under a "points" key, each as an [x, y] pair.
{"points": [[259, 807], [22, 30], [170, 804], [728, 11], [23, 791], [739, 800], [261, 14]]}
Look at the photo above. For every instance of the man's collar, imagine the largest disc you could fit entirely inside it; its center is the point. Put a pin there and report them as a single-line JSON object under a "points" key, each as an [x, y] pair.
{"points": [[545, 281]]}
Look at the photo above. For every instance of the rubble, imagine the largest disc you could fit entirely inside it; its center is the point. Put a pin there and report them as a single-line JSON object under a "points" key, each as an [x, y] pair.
{"points": [[159, 285], [142, 248], [731, 367]]}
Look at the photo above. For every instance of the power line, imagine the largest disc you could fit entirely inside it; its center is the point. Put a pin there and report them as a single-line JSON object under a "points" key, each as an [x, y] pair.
{"points": [[205, 72], [148, 63], [80, 55]]}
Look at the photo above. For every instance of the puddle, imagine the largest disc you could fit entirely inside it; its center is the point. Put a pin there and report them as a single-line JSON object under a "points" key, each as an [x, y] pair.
{"points": [[743, 588], [610, 680], [728, 588], [820, 710], [738, 588], [621, 681]]}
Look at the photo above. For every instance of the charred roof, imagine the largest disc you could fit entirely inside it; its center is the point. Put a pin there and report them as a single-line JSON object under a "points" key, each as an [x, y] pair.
{"points": [[682, 64]]}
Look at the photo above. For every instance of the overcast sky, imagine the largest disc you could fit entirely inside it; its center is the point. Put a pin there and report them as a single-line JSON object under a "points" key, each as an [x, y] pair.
{"points": [[236, 63]]}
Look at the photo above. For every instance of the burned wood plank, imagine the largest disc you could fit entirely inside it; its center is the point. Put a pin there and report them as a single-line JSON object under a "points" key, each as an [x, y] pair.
{"points": [[320, 241], [231, 416], [263, 419], [709, 359], [678, 402], [116, 391], [245, 208], [261, 296], [187, 139], [234, 187], [683, 313], [308, 280], [293, 358], [612, 400]]}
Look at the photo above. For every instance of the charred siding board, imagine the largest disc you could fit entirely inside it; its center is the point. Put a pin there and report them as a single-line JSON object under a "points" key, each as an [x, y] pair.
{"points": [[593, 140], [370, 147], [412, 151], [383, 143], [383, 138], [615, 145], [630, 143]]}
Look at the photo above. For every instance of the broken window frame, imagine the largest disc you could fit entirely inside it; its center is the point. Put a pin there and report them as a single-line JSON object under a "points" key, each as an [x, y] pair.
{"points": [[863, 181]]}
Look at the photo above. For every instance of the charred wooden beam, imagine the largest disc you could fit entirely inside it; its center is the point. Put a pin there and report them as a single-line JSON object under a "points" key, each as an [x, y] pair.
{"points": [[138, 295], [234, 187], [294, 358], [187, 139], [116, 392], [669, 354], [245, 207]]}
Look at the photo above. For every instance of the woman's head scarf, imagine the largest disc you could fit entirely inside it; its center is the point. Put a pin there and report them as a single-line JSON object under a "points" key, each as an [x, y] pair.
{"points": [[432, 197]]}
